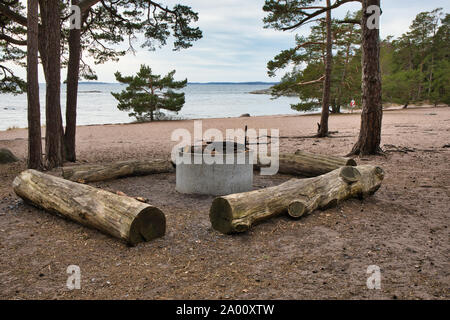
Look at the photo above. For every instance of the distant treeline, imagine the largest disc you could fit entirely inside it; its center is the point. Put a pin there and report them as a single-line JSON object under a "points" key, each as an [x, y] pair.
{"points": [[415, 67], [202, 83]]}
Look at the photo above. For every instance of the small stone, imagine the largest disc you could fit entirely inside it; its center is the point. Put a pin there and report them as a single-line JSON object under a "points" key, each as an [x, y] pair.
{"points": [[7, 156]]}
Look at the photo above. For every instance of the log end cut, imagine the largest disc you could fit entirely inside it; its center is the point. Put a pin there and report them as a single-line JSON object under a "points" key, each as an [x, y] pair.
{"points": [[350, 174], [149, 224], [296, 209], [220, 215]]}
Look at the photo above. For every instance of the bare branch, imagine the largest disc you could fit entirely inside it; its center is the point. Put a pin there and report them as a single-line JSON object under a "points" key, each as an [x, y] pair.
{"points": [[12, 40], [306, 8], [87, 4], [312, 81]]}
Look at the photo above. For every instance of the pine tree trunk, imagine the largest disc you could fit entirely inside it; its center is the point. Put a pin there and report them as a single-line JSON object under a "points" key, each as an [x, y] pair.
{"points": [[372, 112], [430, 79], [34, 110], [344, 73], [54, 130], [43, 38], [73, 70], [419, 90], [323, 128]]}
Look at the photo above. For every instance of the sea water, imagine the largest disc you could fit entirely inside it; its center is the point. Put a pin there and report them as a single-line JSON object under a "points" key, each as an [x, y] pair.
{"points": [[96, 105]]}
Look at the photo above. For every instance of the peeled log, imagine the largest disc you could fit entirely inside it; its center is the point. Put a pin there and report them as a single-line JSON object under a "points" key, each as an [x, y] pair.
{"points": [[119, 216], [92, 173], [309, 164], [238, 212]]}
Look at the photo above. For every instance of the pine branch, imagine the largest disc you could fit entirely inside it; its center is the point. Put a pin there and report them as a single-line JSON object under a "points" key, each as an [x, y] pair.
{"points": [[87, 4], [12, 40], [353, 21], [308, 43], [309, 16], [13, 15], [312, 81]]}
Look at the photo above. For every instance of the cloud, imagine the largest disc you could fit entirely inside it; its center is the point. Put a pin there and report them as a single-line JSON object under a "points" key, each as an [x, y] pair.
{"points": [[236, 47]]}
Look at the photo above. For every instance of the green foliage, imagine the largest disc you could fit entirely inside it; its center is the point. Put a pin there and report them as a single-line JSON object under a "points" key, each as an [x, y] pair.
{"points": [[284, 14], [416, 65], [122, 21], [401, 86], [105, 25], [307, 62], [12, 35], [147, 93], [440, 90]]}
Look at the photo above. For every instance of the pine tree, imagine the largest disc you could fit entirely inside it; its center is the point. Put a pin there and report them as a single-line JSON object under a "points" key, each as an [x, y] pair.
{"points": [[104, 24], [415, 66], [147, 93], [307, 58], [12, 41], [281, 17]]}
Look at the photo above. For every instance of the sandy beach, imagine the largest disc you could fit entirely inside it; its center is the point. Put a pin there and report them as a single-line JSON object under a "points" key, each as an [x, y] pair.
{"points": [[403, 228]]}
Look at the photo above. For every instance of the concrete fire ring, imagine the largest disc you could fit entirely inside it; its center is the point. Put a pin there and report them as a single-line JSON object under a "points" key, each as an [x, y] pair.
{"points": [[195, 174]]}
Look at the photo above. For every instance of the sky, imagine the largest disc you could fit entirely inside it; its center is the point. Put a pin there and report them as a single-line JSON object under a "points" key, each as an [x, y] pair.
{"points": [[236, 48]]}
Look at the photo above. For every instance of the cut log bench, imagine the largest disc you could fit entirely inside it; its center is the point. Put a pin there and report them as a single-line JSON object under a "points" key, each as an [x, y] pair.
{"points": [[238, 212], [334, 179], [119, 216], [98, 172], [307, 164], [300, 163]]}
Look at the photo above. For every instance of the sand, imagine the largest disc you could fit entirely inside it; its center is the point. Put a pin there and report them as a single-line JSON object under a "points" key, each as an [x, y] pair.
{"points": [[403, 228]]}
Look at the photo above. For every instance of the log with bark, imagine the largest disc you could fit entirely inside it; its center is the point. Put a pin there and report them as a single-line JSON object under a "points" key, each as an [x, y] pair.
{"points": [[96, 172], [308, 164], [119, 216], [238, 212]]}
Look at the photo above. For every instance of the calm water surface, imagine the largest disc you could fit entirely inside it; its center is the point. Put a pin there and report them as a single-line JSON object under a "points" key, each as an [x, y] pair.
{"points": [[96, 105]]}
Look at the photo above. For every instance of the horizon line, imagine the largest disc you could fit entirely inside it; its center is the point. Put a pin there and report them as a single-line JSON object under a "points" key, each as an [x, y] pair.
{"points": [[193, 82]]}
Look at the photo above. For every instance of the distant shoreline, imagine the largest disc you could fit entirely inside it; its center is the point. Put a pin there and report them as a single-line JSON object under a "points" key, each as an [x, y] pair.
{"points": [[316, 113], [270, 90], [196, 83]]}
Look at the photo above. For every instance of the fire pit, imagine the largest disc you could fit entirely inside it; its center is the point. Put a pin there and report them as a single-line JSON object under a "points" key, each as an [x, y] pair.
{"points": [[216, 168]]}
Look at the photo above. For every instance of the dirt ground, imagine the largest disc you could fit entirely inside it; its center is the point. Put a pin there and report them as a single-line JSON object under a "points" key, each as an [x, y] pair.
{"points": [[403, 228]]}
